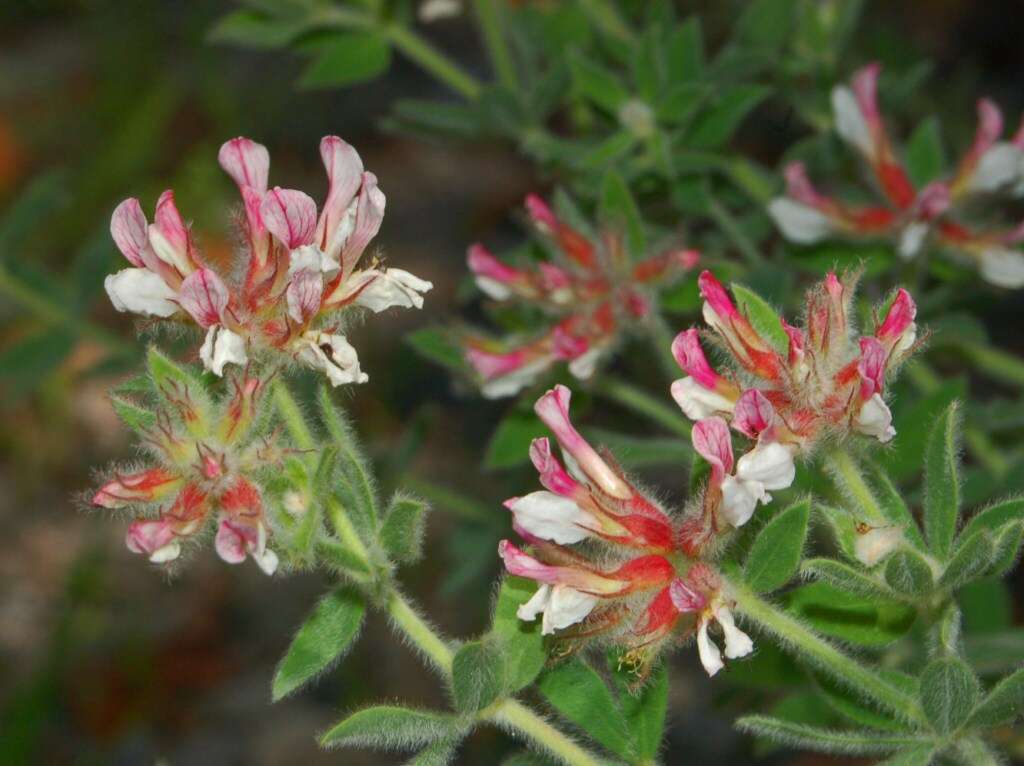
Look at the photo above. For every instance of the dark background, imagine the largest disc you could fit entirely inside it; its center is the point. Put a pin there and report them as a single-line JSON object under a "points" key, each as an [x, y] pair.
{"points": [[102, 660]]}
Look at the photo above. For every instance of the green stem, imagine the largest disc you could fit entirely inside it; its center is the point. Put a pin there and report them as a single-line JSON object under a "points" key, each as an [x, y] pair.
{"points": [[433, 61], [416, 629], [643, 403], [489, 16], [806, 643], [290, 413], [514, 714], [346, 531], [995, 362], [725, 221], [850, 481]]}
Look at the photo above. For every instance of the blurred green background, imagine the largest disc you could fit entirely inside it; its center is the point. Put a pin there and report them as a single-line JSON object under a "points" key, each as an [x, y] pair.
{"points": [[102, 660]]}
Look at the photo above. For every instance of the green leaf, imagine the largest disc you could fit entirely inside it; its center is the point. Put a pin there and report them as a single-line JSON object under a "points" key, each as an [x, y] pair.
{"points": [[926, 158], [946, 635], [478, 673], [390, 727], [762, 316], [324, 637], [438, 345], [576, 691], [1003, 704], [847, 578], [913, 756], [843, 526], [419, 116], [949, 692], [441, 753], [775, 555], [597, 84], [132, 415], [908, 573], [913, 420], [618, 208], [168, 375], [252, 29], [970, 559], [850, 742], [522, 642], [510, 443], [836, 613], [348, 58], [41, 198], [645, 712], [850, 705], [1006, 548], [686, 51], [995, 516], [891, 502], [403, 528], [942, 483], [766, 24], [995, 652], [716, 125], [32, 359]]}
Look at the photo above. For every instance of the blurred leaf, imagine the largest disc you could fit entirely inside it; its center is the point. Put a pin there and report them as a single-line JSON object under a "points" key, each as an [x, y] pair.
{"points": [[942, 483], [42, 197], [391, 727], [640, 451], [325, 636], [478, 675], [576, 691], [510, 443], [597, 84], [907, 572], [1003, 704], [29, 360], [619, 209], [437, 344], [912, 756], [926, 159], [440, 753], [949, 692], [348, 58], [523, 644], [913, 422], [252, 29], [775, 554], [403, 528], [434, 117], [1006, 548], [765, 24], [686, 52], [835, 613], [716, 125]]}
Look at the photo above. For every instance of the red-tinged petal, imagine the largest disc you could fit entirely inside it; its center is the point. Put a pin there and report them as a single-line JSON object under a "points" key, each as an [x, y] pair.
{"points": [[234, 540], [204, 296], [142, 487], [541, 214], [290, 215], [521, 564], [686, 597], [130, 230], [865, 87], [344, 176], [247, 162], [645, 530], [799, 186], [754, 414], [712, 441], [304, 294], [714, 293], [484, 264], [565, 344], [898, 319], [797, 342], [690, 357], [490, 365], [369, 215], [871, 367], [148, 536], [553, 409], [933, 200], [645, 572], [895, 183], [552, 475], [242, 499], [658, 618]]}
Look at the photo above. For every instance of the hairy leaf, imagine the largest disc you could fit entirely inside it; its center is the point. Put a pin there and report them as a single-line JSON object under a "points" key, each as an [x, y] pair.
{"points": [[762, 316], [576, 691], [970, 559], [478, 675], [775, 555], [523, 645], [949, 692], [908, 573], [403, 528], [1003, 704], [851, 742], [847, 578], [942, 483], [392, 728]]}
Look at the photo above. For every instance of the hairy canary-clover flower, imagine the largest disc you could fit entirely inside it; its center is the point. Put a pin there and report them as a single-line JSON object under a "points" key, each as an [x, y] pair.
{"points": [[208, 474], [592, 291], [630, 580], [298, 270], [909, 216]]}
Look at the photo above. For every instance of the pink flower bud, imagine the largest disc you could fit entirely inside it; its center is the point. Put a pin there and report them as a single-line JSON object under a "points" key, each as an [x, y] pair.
{"points": [[712, 441], [344, 177], [690, 357], [129, 228], [717, 298], [204, 296], [897, 329], [541, 214], [144, 487], [754, 414], [483, 264], [871, 367], [290, 215], [552, 475], [247, 162], [553, 409]]}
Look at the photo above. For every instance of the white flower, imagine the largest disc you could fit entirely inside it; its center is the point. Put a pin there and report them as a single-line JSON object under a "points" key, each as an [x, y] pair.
{"points": [[875, 419], [698, 402], [265, 558], [332, 354], [311, 258], [561, 605], [1003, 267], [850, 122], [392, 287], [877, 543], [221, 347], [141, 291], [169, 552], [552, 517], [737, 643], [768, 466], [799, 222], [492, 288], [911, 239], [710, 657], [997, 167], [583, 366], [515, 381]]}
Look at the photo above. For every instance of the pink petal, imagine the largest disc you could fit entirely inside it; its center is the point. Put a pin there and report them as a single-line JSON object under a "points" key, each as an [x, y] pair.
{"points": [[233, 541], [522, 565], [753, 414], [690, 357], [865, 87], [170, 223], [565, 344], [685, 597], [369, 214], [304, 294], [247, 162], [490, 365], [871, 367], [901, 315], [553, 476], [712, 441], [146, 536], [714, 293], [204, 296], [990, 126], [290, 215], [799, 186], [797, 341], [541, 214], [483, 264], [344, 175], [933, 200], [130, 230]]}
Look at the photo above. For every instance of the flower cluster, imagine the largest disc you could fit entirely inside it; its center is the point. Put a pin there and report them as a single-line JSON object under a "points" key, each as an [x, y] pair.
{"points": [[209, 461], [630, 581], [788, 389], [910, 215], [299, 270], [592, 291]]}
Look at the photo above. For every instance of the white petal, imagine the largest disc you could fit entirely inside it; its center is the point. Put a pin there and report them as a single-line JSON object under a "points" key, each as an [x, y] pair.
{"points": [[140, 291], [875, 419], [310, 257], [997, 167], [492, 288], [798, 222], [566, 607], [393, 287], [738, 502], [911, 239], [769, 464], [875, 544], [515, 381], [698, 402], [267, 561], [710, 657], [1003, 267], [583, 366], [169, 552], [538, 603], [222, 347], [435, 10], [168, 253], [737, 643], [334, 355], [552, 517], [850, 122]]}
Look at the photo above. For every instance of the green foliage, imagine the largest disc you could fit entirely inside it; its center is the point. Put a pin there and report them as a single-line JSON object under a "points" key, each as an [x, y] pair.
{"points": [[403, 529], [863, 742], [1003, 704], [325, 637], [346, 58], [775, 555], [510, 442], [391, 727], [522, 646], [942, 483], [579, 693], [949, 692], [761, 316], [908, 573], [926, 158], [477, 675]]}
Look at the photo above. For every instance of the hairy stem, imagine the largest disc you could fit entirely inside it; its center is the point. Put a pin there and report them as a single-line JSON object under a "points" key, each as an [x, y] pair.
{"points": [[804, 642], [516, 716], [643, 403], [850, 481]]}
